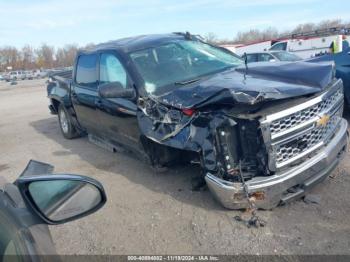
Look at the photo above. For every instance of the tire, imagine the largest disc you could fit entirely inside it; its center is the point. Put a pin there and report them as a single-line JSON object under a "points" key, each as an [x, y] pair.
{"points": [[64, 120]]}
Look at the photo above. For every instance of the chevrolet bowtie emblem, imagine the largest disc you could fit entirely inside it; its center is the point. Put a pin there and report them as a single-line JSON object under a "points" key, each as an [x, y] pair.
{"points": [[323, 120]]}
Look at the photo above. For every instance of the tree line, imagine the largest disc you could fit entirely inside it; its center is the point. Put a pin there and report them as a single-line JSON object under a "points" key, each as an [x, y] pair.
{"points": [[47, 56]]}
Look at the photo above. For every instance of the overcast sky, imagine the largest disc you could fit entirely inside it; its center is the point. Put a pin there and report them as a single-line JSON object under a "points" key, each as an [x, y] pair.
{"points": [[58, 22]]}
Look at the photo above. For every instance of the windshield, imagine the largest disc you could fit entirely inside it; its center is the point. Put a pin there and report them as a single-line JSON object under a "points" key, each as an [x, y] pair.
{"points": [[285, 56], [170, 65]]}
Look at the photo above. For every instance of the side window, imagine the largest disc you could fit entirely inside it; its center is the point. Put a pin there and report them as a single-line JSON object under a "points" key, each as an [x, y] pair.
{"points": [[279, 46], [265, 57], [251, 58], [86, 74], [111, 70]]}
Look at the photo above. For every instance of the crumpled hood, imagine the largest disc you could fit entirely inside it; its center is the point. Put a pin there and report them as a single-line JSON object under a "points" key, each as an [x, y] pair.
{"points": [[262, 81]]}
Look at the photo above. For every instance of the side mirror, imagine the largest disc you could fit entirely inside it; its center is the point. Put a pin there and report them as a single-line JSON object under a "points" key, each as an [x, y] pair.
{"points": [[57, 199], [116, 90]]}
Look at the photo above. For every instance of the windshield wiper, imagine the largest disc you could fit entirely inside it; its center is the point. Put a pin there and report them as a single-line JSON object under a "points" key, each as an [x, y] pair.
{"points": [[187, 82]]}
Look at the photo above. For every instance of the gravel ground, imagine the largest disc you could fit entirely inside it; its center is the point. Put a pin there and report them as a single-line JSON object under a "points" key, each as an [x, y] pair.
{"points": [[150, 213]]}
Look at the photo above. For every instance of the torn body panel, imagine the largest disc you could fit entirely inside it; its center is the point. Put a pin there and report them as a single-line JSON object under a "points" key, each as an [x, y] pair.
{"points": [[193, 133]]}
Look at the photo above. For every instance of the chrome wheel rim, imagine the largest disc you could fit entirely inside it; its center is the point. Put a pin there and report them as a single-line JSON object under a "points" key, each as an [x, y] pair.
{"points": [[64, 122]]}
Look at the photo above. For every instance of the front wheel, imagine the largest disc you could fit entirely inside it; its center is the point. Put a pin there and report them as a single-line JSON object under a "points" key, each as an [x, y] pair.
{"points": [[67, 128]]}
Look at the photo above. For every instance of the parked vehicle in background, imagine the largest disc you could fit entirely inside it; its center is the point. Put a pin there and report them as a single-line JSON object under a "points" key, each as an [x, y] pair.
{"points": [[38, 198], [305, 45], [1, 77], [342, 65], [250, 48], [272, 56], [29, 75], [15, 75], [40, 73], [268, 131], [231, 47]]}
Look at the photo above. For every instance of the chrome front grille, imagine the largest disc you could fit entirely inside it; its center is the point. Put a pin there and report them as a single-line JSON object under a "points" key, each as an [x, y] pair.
{"points": [[311, 140], [296, 132], [302, 116]]}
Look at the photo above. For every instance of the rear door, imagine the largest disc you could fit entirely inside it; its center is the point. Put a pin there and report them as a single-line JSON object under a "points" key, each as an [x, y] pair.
{"points": [[117, 115], [84, 92]]}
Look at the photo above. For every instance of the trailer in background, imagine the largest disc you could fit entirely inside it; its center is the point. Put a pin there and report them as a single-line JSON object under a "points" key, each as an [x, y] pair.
{"points": [[311, 47], [305, 45], [231, 47], [253, 47]]}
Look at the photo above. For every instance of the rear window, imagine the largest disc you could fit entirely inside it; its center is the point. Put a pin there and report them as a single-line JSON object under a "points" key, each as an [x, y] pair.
{"points": [[86, 74]]}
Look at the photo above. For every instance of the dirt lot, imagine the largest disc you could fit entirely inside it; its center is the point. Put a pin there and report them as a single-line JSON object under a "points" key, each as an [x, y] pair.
{"points": [[150, 213]]}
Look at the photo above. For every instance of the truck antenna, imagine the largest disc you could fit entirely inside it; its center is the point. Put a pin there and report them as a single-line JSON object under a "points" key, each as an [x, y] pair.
{"points": [[246, 62]]}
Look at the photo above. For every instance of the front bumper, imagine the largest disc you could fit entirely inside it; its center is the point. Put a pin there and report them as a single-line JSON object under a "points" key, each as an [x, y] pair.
{"points": [[276, 189]]}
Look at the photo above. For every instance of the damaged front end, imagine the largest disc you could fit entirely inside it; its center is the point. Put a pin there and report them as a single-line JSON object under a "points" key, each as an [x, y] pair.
{"points": [[271, 145], [300, 145]]}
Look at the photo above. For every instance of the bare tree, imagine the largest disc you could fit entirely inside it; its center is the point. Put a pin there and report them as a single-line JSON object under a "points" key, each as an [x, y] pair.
{"points": [[65, 56], [46, 56], [257, 35], [330, 23], [28, 57], [10, 57], [302, 28], [89, 45], [211, 38]]}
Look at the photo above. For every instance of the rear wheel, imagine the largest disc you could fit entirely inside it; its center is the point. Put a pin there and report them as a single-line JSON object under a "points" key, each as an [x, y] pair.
{"points": [[67, 128]]}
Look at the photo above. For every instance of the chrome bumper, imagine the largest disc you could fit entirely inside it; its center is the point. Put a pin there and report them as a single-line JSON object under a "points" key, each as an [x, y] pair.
{"points": [[274, 190]]}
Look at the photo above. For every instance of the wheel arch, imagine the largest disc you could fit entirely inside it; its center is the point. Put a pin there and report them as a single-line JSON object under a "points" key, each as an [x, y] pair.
{"points": [[55, 104]]}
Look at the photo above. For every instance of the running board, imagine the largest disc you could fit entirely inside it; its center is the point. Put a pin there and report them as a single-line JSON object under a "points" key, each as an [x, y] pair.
{"points": [[115, 148], [104, 144]]}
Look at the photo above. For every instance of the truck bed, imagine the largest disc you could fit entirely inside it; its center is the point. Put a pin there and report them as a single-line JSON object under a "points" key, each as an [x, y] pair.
{"points": [[62, 76], [59, 80]]}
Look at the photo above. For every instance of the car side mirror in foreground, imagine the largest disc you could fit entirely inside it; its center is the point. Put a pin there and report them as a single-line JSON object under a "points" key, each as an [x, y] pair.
{"points": [[116, 90], [61, 198]]}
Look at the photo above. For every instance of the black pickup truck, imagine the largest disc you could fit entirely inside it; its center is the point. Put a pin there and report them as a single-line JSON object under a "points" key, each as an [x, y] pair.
{"points": [[263, 131]]}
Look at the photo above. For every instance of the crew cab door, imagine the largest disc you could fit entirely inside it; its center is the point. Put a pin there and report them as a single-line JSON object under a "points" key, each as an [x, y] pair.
{"points": [[117, 115], [84, 92]]}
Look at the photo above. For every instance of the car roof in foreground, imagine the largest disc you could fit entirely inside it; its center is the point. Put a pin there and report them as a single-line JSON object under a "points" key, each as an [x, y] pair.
{"points": [[278, 51], [135, 43], [268, 52]]}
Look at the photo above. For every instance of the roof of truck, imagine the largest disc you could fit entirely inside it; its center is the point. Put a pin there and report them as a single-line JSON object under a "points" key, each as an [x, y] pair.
{"points": [[134, 43]]}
